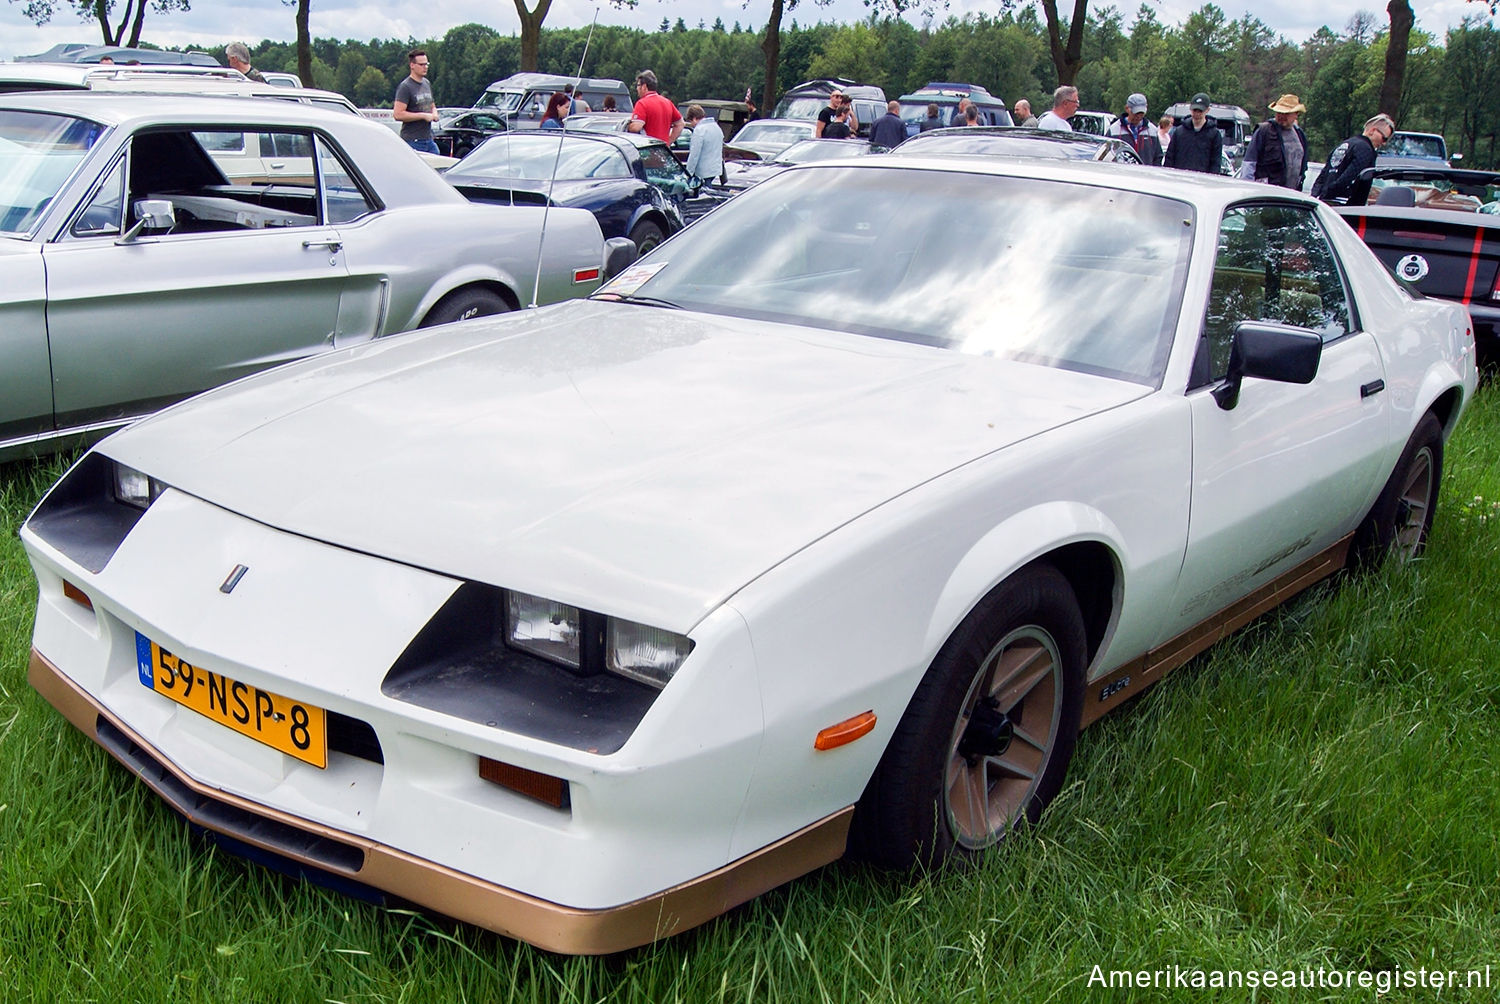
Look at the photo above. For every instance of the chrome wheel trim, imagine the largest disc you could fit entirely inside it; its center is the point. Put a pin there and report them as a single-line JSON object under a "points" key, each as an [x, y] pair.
{"points": [[994, 769]]}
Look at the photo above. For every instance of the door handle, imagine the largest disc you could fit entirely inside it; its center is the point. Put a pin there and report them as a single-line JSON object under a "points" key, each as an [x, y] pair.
{"points": [[1371, 389], [333, 244]]}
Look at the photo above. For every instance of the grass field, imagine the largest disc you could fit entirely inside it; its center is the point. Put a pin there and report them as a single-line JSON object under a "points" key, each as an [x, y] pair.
{"points": [[1321, 790]]}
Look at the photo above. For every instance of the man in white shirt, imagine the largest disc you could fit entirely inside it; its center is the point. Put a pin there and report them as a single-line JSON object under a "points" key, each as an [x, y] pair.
{"points": [[706, 149], [1064, 104]]}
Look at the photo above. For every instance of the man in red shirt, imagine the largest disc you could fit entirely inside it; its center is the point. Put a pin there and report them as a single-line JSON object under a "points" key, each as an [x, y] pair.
{"points": [[654, 114]]}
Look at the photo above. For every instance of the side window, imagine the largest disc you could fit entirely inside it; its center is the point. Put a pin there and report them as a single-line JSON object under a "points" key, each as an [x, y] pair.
{"points": [[344, 199], [663, 171], [102, 215], [1274, 264]]}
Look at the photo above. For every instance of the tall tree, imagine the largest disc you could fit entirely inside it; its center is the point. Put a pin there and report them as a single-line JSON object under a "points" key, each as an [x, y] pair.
{"points": [[531, 30], [132, 17], [1395, 55], [1066, 57], [304, 44]]}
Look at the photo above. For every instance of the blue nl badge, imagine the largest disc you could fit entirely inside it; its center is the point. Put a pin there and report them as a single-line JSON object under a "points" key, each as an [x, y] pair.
{"points": [[143, 658]]}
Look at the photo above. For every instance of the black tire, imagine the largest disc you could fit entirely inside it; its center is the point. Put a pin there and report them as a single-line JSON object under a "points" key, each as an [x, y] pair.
{"points": [[466, 303], [646, 236], [1401, 518], [966, 733]]}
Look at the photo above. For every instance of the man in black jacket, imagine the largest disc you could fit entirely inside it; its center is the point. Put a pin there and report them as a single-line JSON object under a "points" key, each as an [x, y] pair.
{"points": [[1277, 153], [1197, 144], [1351, 157]]}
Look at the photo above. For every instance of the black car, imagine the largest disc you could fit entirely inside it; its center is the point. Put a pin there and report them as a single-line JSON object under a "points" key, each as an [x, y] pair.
{"points": [[1438, 229], [631, 183], [1018, 141], [458, 136]]}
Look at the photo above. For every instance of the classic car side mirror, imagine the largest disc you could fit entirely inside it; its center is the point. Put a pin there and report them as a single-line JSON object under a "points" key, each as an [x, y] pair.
{"points": [[150, 214], [1269, 352], [619, 254]]}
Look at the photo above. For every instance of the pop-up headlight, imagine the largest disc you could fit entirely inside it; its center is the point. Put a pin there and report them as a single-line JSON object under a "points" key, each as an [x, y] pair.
{"points": [[135, 488], [643, 653], [543, 627]]}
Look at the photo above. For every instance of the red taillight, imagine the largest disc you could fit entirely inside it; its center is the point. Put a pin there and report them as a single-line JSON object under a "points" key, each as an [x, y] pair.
{"points": [[544, 788]]}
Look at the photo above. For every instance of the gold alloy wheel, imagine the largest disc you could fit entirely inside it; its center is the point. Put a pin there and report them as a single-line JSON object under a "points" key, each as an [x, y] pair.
{"points": [[1413, 504], [1004, 737]]}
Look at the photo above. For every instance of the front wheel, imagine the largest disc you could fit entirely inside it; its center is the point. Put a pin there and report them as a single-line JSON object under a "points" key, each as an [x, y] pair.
{"points": [[646, 236], [986, 740], [463, 304], [1401, 518]]}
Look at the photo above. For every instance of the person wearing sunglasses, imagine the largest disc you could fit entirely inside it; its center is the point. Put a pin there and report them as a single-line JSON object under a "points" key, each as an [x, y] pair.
{"points": [[1351, 157]]}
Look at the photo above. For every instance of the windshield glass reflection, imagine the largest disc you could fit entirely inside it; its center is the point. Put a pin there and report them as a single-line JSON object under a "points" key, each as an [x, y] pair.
{"points": [[38, 153], [1066, 275]]}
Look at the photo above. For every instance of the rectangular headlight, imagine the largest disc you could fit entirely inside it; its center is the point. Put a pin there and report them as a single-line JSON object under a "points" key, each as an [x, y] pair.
{"points": [[646, 654], [543, 627], [135, 488]]}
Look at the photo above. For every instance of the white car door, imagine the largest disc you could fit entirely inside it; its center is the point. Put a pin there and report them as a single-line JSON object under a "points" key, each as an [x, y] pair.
{"points": [[1290, 468], [249, 276]]}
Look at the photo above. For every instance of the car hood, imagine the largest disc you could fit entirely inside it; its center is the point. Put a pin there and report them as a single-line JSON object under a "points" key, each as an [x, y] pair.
{"points": [[639, 461]]}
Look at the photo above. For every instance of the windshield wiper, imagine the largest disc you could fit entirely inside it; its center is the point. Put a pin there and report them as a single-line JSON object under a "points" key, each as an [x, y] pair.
{"points": [[644, 301]]}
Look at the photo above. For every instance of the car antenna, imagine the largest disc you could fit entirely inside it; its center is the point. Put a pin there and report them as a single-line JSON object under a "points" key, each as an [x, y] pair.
{"points": [[536, 284]]}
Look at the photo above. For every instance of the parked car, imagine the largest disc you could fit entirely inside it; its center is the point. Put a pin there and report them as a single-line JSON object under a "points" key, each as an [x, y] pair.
{"points": [[1438, 230], [810, 97], [1415, 149], [1093, 123], [69, 76], [946, 96], [522, 97], [631, 183], [815, 529], [1018, 141], [748, 174], [459, 135], [768, 137], [278, 79], [152, 247]]}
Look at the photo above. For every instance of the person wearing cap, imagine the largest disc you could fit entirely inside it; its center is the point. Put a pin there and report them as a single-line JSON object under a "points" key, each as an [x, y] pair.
{"points": [[1277, 153], [1351, 157], [1197, 144], [1135, 130]]}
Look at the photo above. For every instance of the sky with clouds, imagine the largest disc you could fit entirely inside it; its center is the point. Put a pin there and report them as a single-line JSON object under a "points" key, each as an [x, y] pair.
{"points": [[212, 23]]}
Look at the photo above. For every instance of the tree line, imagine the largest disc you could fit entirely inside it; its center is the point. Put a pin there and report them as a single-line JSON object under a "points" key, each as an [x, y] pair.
{"points": [[1451, 84]]}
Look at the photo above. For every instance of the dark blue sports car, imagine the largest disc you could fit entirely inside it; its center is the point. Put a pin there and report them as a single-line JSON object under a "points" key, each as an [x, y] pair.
{"points": [[631, 183]]}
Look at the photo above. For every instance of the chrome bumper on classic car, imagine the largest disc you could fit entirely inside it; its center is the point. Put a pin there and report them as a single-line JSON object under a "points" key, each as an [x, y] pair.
{"points": [[547, 925]]}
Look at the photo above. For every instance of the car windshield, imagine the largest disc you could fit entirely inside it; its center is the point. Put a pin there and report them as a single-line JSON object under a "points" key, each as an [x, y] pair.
{"points": [[1454, 193], [770, 133], [38, 154], [1023, 272], [801, 108], [915, 113], [1030, 143], [596, 123], [811, 150], [504, 100], [1410, 145], [534, 157]]}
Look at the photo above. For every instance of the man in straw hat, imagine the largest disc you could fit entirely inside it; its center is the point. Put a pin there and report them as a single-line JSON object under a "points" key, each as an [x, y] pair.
{"points": [[1277, 153]]}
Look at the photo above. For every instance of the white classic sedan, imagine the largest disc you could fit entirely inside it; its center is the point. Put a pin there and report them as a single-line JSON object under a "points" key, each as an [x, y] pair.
{"points": [[154, 246], [824, 527]]}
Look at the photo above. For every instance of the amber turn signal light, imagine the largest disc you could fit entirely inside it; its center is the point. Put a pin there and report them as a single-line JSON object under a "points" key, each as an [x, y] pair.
{"points": [[77, 595], [845, 731], [544, 788]]}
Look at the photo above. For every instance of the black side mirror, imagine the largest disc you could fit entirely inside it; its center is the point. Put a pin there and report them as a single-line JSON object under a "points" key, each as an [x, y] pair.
{"points": [[619, 254], [1269, 352]]}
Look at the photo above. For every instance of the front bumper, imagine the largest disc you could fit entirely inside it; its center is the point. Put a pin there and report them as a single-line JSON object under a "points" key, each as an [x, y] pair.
{"points": [[547, 925]]}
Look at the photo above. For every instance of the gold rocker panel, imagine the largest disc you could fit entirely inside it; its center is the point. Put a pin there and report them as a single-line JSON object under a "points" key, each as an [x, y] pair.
{"points": [[1114, 689], [514, 914]]}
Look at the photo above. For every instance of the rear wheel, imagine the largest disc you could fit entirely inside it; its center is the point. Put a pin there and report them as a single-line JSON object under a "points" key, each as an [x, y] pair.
{"points": [[985, 743], [646, 236], [1401, 518], [463, 304]]}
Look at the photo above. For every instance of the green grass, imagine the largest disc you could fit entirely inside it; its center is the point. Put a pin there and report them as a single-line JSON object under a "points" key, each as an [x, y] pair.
{"points": [[1319, 791]]}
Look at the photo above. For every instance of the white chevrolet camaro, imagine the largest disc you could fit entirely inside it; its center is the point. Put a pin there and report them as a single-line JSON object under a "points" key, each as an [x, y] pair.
{"points": [[824, 527]]}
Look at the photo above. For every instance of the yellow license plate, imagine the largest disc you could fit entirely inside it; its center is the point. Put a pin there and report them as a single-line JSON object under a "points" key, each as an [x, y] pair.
{"points": [[296, 729]]}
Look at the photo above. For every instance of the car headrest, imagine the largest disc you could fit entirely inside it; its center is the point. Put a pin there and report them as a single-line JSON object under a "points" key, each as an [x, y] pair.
{"points": [[1396, 195]]}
